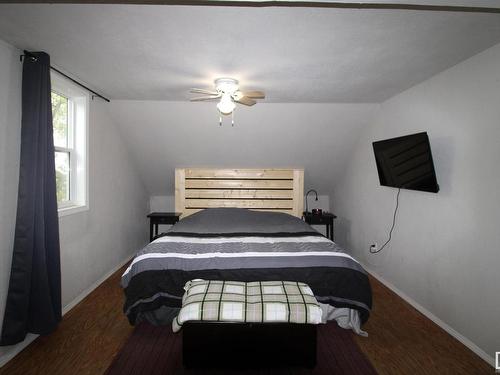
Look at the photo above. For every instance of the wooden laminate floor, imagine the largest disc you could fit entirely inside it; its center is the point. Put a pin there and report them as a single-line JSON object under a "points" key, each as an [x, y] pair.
{"points": [[401, 340]]}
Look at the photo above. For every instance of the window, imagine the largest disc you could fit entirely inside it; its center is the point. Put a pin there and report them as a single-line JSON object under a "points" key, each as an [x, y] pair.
{"points": [[69, 118]]}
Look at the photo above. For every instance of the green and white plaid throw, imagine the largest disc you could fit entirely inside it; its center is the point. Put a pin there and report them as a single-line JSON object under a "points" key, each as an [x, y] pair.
{"points": [[256, 302]]}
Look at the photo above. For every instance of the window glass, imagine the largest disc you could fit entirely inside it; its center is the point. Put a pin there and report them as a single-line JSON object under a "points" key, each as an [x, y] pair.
{"points": [[60, 119], [62, 176]]}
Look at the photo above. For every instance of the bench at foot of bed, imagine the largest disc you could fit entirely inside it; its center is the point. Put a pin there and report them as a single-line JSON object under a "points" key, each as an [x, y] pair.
{"points": [[248, 345]]}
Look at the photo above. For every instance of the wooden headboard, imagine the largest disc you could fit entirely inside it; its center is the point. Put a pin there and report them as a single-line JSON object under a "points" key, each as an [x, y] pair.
{"points": [[279, 190]]}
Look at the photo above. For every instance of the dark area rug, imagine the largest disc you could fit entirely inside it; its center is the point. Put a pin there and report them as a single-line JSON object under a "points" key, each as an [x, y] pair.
{"points": [[157, 350]]}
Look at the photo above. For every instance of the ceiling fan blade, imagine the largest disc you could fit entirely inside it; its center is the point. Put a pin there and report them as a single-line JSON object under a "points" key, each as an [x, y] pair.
{"points": [[246, 100], [254, 94], [203, 91], [202, 98]]}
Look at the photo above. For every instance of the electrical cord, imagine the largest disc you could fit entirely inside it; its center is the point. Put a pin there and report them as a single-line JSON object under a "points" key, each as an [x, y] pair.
{"points": [[392, 228]]}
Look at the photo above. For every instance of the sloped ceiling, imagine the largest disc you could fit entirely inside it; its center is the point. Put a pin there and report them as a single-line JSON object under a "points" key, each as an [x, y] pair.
{"points": [[145, 58], [297, 55], [166, 135]]}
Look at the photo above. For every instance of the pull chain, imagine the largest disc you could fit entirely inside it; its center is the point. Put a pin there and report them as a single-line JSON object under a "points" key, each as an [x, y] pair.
{"points": [[232, 119]]}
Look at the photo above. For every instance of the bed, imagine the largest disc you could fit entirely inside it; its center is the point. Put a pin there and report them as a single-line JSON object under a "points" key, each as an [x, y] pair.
{"points": [[243, 225]]}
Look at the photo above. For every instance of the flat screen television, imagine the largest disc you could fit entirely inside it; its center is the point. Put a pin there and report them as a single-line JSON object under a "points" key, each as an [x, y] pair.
{"points": [[406, 162]]}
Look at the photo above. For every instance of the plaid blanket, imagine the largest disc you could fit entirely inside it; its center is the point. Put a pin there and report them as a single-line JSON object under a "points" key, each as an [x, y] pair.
{"points": [[257, 302]]}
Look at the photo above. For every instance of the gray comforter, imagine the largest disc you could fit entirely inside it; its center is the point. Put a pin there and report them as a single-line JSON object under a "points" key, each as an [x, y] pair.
{"points": [[240, 245]]}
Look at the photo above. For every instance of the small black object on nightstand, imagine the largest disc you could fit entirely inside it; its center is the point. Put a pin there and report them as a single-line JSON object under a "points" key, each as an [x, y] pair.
{"points": [[323, 219], [157, 218]]}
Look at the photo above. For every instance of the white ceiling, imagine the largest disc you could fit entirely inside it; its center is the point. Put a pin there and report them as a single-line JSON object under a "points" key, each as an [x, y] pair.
{"points": [[294, 54]]}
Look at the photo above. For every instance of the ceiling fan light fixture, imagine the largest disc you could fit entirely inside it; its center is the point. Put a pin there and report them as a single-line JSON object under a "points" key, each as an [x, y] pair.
{"points": [[228, 93], [226, 85], [226, 105]]}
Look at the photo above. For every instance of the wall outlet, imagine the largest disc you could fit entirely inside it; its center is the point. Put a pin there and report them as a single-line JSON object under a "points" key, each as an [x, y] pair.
{"points": [[374, 247]]}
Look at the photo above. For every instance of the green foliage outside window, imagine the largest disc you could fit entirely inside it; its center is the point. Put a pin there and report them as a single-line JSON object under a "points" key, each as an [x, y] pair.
{"points": [[61, 133]]}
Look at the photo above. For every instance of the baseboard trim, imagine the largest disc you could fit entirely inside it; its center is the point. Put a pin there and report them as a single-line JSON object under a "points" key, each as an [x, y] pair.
{"points": [[464, 340], [91, 288], [16, 349]]}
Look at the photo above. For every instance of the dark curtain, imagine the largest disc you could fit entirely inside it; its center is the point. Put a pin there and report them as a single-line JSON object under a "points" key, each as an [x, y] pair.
{"points": [[34, 296]]}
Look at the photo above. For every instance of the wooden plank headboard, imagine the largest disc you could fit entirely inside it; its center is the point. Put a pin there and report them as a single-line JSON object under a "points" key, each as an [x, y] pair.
{"points": [[279, 190]]}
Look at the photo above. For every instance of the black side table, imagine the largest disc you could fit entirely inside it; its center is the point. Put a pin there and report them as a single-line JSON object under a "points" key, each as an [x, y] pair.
{"points": [[157, 218], [323, 219]]}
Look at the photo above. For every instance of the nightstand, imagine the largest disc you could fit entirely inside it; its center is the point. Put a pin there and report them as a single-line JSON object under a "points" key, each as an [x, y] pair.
{"points": [[157, 218], [323, 219]]}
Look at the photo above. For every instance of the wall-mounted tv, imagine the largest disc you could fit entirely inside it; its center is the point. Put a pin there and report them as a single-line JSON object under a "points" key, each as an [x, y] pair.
{"points": [[406, 162]]}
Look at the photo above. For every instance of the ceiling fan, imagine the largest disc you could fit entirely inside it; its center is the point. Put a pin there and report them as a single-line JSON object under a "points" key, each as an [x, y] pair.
{"points": [[226, 89]]}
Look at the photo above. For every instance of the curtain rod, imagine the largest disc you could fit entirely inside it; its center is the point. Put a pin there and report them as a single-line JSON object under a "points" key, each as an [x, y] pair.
{"points": [[32, 56]]}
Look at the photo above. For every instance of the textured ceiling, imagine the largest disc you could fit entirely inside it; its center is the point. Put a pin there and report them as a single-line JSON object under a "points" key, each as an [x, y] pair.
{"points": [[294, 54]]}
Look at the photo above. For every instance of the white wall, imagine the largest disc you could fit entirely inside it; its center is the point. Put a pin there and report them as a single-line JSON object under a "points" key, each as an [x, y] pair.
{"points": [[115, 227], [10, 142], [93, 242], [162, 203], [445, 249], [163, 136]]}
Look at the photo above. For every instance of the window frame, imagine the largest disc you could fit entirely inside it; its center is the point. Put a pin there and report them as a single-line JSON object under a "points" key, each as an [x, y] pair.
{"points": [[77, 146]]}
